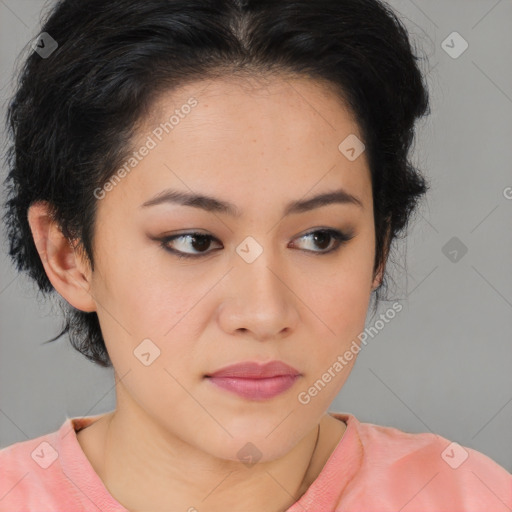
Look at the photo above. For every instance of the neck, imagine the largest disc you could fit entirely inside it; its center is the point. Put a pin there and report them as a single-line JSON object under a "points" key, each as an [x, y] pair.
{"points": [[144, 468]]}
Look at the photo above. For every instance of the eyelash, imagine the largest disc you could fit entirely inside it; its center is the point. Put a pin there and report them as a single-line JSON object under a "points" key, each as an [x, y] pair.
{"points": [[339, 236]]}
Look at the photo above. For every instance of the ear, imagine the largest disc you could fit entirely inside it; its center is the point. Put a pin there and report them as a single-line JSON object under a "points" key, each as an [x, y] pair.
{"points": [[378, 276], [68, 272], [380, 271]]}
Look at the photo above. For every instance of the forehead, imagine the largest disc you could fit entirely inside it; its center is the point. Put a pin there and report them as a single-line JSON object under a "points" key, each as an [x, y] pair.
{"points": [[271, 134], [297, 102]]}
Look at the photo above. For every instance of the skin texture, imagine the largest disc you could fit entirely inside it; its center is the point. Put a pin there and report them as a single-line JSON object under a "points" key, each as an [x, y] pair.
{"points": [[173, 439]]}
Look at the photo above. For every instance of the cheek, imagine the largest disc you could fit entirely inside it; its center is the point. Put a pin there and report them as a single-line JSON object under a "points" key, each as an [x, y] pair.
{"points": [[343, 311], [331, 355], [343, 292], [140, 289], [164, 306], [341, 299]]}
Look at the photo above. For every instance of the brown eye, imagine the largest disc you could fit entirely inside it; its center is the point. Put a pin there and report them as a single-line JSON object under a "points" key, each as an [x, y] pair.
{"points": [[197, 241], [323, 238], [200, 243]]}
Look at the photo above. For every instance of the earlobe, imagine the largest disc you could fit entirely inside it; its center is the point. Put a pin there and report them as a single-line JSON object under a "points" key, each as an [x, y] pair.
{"points": [[379, 275], [377, 280], [66, 270]]}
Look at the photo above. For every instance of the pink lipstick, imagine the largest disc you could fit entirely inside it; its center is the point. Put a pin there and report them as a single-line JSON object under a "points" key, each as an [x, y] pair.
{"points": [[255, 381]]}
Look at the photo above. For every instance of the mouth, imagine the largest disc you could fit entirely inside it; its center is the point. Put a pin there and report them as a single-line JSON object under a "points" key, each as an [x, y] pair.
{"points": [[254, 381]]}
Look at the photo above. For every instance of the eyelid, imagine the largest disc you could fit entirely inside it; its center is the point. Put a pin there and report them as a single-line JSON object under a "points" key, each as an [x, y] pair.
{"points": [[340, 237]]}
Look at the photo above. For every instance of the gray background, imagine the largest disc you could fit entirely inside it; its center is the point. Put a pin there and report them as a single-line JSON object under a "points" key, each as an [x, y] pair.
{"points": [[444, 363]]}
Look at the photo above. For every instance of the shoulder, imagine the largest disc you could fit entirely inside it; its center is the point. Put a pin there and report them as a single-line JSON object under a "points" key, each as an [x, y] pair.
{"points": [[429, 472], [24, 467], [32, 477]]}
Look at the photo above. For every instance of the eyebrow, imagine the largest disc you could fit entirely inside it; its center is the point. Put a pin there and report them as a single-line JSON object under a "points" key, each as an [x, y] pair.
{"points": [[212, 204]]}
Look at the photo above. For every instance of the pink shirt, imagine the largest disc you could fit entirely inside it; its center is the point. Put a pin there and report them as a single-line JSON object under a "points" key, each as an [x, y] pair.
{"points": [[373, 468]]}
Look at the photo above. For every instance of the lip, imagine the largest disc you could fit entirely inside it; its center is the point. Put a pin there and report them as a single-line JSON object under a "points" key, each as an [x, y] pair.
{"points": [[254, 370], [255, 381]]}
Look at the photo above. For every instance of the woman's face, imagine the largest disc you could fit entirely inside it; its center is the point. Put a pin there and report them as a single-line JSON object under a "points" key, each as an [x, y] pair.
{"points": [[266, 284]]}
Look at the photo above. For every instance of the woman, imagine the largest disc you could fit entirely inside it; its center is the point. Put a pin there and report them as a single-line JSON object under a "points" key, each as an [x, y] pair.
{"points": [[213, 188]]}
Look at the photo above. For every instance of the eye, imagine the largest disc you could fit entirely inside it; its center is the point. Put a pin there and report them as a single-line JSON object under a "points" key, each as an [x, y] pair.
{"points": [[199, 242], [322, 238]]}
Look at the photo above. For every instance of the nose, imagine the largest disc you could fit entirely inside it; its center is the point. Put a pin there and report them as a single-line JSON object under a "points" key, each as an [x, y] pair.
{"points": [[259, 299]]}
